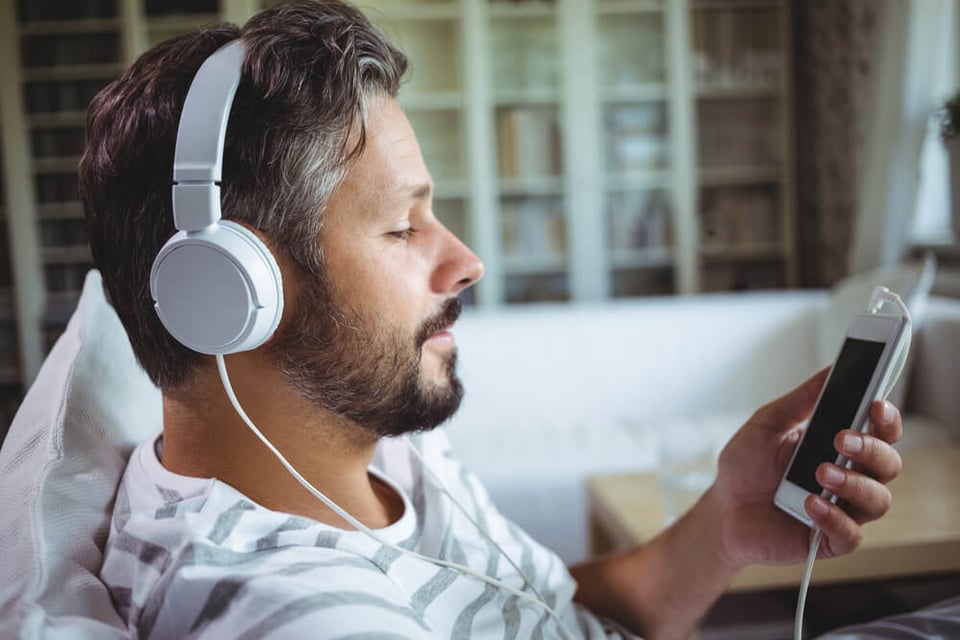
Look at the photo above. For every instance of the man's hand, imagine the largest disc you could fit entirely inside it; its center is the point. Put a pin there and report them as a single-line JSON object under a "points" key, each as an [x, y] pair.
{"points": [[753, 530], [663, 587]]}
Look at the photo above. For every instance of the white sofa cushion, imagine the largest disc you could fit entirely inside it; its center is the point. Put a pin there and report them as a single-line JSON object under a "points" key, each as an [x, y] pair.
{"points": [[59, 469], [934, 390]]}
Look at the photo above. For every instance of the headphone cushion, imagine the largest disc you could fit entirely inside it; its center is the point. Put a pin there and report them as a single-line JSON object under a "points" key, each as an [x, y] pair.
{"points": [[217, 290]]}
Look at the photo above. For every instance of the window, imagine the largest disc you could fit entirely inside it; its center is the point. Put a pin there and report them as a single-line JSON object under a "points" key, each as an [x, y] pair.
{"points": [[931, 219]]}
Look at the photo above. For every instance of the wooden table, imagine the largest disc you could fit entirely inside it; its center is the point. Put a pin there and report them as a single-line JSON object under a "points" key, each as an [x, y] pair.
{"points": [[919, 535]]}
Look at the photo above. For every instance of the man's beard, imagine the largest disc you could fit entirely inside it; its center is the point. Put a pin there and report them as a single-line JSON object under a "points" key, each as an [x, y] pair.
{"points": [[360, 368]]}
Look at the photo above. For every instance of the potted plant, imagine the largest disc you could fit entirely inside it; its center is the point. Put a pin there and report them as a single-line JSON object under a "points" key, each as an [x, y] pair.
{"points": [[950, 132]]}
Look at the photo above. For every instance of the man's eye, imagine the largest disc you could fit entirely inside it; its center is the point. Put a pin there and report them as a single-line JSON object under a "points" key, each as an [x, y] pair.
{"points": [[403, 234]]}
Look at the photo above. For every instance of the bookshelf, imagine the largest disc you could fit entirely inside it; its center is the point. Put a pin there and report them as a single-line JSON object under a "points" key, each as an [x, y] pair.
{"points": [[68, 51], [22, 291], [741, 54], [611, 148], [586, 149], [10, 388], [54, 57], [644, 177], [525, 99]]}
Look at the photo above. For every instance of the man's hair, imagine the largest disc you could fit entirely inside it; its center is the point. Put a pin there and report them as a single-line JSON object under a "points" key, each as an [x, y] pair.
{"points": [[297, 119]]}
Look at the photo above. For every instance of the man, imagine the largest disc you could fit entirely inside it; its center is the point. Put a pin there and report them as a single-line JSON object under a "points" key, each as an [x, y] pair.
{"points": [[212, 537]]}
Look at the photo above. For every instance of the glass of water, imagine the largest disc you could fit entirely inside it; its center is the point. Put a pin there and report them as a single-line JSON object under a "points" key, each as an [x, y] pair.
{"points": [[687, 466]]}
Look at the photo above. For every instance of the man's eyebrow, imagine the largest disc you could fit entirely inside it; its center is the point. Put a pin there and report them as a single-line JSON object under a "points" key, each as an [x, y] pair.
{"points": [[410, 193], [420, 191]]}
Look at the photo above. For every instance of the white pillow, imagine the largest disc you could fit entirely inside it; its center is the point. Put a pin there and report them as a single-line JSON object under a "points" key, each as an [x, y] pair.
{"points": [[849, 297], [59, 469]]}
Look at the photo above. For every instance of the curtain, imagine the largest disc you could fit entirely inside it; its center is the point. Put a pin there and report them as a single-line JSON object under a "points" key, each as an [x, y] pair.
{"points": [[867, 78], [834, 45]]}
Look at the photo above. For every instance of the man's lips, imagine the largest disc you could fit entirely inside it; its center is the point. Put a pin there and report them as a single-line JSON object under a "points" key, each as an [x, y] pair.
{"points": [[443, 336], [438, 327]]}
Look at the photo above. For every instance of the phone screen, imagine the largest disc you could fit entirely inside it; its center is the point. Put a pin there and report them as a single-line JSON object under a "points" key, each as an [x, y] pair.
{"points": [[837, 409]]}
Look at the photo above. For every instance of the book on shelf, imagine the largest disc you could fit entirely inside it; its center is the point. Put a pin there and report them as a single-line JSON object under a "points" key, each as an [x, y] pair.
{"points": [[59, 50], [637, 136], [57, 142], [741, 277], [56, 10], [66, 278], [533, 228], [524, 54], [537, 288], [639, 220], [630, 49], [10, 397], [634, 283], [65, 232], [48, 97], [741, 132], [528, 142], [8, 345], [56, 187], [440, 136], [51, 335], [737, 217], [177, 7], [736, 47]]}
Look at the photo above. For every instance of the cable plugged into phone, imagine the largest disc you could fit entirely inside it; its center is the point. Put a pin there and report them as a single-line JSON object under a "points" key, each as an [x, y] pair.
{"points": [[880, 297]]}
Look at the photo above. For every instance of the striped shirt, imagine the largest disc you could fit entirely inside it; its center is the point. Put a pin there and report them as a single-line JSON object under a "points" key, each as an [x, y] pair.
{"points": [[195, 558]]}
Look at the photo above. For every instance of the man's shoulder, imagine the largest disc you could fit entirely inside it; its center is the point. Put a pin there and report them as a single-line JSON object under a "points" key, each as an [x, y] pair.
{"points": [[216, 591], [165, 525], [228, 566]]}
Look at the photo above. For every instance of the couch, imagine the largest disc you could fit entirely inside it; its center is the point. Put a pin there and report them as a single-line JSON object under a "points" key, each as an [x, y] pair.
{"points": [[557, 393]]}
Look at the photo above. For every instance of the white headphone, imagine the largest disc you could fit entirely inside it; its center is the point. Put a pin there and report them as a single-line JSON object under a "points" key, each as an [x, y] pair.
{"points": [[215, 285]]}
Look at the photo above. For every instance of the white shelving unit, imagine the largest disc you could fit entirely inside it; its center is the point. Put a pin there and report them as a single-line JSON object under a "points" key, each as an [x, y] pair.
{"points": [[741, 53], [21, 210], [646, 131], [10, 387], [587, 129], [586, 149], [54, 57]]}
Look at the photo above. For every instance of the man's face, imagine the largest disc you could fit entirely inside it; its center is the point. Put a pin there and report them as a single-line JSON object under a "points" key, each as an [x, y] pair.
{"points": [[369, 340]]}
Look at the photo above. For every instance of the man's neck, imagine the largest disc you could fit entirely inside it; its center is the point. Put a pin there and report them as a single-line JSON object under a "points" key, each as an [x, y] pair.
{"points": [[203, 436]]}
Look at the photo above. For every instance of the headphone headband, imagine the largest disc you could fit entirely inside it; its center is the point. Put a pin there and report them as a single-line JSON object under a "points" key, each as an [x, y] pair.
{"points": [[198, 159], [216, 287]]}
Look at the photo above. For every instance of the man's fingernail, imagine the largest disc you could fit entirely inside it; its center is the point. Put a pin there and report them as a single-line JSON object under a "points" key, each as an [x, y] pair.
{"points": [[819, 507], [832, 476], [888, 412], [852, 443]]}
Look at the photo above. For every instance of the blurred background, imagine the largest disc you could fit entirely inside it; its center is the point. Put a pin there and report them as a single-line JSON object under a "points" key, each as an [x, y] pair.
{"points": [[588, 150]]}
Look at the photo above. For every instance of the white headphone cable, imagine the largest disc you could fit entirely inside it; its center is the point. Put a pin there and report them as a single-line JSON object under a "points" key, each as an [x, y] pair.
{"points": [[443, 487], [359, 526], [880, 296]]}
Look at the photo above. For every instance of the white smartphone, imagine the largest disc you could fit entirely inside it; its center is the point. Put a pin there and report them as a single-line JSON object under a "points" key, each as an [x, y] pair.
{"points": [[859, 376]]}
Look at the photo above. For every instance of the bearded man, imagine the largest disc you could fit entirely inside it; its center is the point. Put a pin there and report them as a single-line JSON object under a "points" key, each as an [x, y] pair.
{"points": [[213, 535]]}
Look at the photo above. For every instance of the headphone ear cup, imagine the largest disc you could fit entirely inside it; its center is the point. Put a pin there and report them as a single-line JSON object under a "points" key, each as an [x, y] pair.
{"points": [[217, 290]]}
